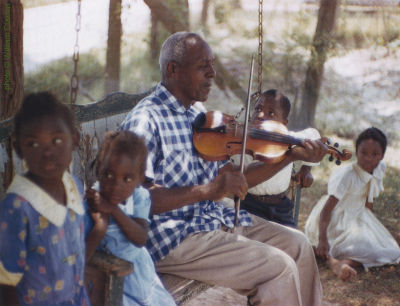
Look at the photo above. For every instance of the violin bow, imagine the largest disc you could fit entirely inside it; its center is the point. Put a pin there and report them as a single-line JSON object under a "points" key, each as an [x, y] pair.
{"points": [[246, 121]]}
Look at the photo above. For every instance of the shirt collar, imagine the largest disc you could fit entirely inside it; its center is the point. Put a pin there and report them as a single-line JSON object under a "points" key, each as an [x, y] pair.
{"points": [[43, 203], [169, 99], [375, 179], [378, 172]]}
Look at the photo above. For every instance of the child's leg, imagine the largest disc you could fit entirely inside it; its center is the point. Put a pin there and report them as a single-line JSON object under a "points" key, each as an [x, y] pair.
{"points": [[343, 268]]}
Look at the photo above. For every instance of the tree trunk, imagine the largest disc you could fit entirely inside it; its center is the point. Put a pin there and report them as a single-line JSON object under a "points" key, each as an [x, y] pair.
{"points": [[11, 72], [178, 14], [236, 4], [326, 22], [113, 58], [163, 14], [11, 50], [154, 38], [204, 13], [172, 24]]}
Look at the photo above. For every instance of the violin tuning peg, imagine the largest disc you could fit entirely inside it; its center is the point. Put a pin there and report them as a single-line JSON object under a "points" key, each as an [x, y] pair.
{"points": [[338, 162], [328, 141], [336, 145], [330, 158]]}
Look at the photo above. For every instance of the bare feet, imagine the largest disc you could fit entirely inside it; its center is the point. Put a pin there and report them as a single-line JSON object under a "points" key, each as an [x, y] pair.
{"points": [[346, 273], [342, 269]]}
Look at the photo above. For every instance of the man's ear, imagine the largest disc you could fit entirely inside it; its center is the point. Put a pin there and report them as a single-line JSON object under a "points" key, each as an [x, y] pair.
{"points": [[172, 68], [285, 121]]}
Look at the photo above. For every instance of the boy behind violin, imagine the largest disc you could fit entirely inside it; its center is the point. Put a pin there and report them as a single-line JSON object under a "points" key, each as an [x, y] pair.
{"points": [[268, 199]]}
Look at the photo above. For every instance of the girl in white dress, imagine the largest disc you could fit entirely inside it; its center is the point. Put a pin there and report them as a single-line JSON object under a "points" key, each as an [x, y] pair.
{"points": [[342, 226]]}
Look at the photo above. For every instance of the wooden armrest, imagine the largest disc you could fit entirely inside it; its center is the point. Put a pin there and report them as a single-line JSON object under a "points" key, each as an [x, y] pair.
{"points": [[110, 264], [104, 278]]}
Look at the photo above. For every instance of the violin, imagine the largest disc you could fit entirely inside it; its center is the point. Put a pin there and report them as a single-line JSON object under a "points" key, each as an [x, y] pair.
{"points": [[218, 136]]}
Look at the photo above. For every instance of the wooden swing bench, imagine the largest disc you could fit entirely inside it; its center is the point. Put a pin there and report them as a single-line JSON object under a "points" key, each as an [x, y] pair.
{"points": [[105, 273]]}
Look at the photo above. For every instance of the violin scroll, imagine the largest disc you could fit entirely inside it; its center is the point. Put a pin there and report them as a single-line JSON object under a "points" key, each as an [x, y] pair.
{"points": [[335, 153]]}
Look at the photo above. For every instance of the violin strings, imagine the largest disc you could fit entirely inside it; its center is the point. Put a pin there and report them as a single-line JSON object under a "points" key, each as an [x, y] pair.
{"points": [[273, 136]]}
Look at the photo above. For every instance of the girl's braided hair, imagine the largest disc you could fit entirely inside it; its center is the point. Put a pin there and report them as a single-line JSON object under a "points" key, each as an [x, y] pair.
{"points": [[121, 142]]}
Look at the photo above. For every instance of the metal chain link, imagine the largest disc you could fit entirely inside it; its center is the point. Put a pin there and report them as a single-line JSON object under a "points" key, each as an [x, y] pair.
{"points": [[260, 44], [74, 86]]}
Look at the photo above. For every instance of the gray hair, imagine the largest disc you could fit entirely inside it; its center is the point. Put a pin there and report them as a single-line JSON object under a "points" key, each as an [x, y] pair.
{"points": [[174, 49]]}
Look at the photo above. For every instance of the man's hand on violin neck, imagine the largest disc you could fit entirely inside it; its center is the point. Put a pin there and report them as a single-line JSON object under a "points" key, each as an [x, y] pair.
{"points": [[311, 151], [227, 184]]}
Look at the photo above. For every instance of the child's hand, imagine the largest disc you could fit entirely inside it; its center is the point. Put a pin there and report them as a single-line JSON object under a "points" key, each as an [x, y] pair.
{"points": [[100, 220], [322, 249], [97, 202], [370, 206], [304, 177]]}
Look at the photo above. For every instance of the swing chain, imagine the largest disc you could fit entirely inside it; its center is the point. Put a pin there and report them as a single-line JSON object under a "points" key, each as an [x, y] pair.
{"points": [[75, 58], [260, 43]]}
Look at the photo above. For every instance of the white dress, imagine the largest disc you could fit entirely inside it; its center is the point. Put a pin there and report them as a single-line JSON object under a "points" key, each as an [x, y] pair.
{"points": [[354, 232]]}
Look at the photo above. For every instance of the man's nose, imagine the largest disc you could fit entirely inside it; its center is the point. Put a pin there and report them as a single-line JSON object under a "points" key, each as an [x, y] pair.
{"points": [[211, 72]]}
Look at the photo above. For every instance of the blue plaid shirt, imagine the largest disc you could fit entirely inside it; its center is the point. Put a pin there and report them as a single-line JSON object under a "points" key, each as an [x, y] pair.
{"points": [[172, 161]]}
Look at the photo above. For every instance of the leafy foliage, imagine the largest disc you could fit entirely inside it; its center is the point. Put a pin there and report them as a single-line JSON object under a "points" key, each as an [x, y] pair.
{"points": [[55, 76]]}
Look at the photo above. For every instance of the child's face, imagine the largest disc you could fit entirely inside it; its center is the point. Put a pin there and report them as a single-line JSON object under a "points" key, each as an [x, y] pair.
{"points": [[47, 145], [268, 109], [369, 153], [119, 175]]}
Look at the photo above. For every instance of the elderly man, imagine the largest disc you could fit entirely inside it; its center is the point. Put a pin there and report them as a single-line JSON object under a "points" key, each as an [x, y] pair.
{"points": [[189, 232]]}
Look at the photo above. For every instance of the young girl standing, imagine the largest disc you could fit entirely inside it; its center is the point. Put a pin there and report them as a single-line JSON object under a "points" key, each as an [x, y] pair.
{"points": [[342, 225], [119, 210], [41, 218]]}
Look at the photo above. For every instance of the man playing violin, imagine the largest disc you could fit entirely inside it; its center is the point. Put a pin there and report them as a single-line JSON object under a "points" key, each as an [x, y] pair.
{"points": [[190, 229]]}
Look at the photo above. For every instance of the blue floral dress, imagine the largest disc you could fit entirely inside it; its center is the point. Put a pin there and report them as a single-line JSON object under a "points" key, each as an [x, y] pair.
{"points": [[42, 250], [143, 286]]}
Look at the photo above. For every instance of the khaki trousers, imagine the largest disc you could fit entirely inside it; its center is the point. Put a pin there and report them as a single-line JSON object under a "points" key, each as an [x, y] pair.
{"points": [[270, 263]]}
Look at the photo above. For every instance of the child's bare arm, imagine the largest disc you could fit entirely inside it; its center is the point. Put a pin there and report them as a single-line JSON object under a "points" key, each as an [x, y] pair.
{"points": [[97, 233], [304, 176], [8, 294], [135, 229], [100, 224], [325, 218]]}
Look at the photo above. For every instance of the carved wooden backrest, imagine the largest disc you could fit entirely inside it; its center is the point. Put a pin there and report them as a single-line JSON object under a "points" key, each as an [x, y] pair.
{"points": [[93, 119]]}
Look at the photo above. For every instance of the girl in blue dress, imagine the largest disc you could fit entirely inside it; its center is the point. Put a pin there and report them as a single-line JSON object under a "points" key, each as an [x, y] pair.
{"points": [[42, 216], [119, 210]]}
